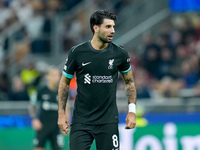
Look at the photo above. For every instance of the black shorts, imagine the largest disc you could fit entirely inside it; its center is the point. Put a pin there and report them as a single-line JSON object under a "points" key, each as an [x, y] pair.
{"points": [[53, 135], [106, 136]]}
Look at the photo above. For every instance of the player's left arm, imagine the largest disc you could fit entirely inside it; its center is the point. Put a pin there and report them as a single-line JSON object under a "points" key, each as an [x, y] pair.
{"points": [[131, 96], [36, 123]]}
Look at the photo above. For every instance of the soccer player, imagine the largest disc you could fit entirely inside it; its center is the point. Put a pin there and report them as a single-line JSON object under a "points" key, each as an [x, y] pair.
{"points": [[96, 64], [46, 124]]}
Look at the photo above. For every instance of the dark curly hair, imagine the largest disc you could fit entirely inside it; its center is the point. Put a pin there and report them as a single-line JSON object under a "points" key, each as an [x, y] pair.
{"points": [[98, 16]]}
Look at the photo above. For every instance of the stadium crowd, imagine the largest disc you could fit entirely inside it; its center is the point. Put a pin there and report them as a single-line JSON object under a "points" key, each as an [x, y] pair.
{"points": [[29, 20], [168, 62]]}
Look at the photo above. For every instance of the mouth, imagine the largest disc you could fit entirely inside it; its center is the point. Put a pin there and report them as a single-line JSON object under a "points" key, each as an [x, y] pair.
{"points": [[110, 37]]}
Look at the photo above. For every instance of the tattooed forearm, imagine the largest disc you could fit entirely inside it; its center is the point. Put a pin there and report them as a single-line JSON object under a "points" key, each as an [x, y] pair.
{"points": [[130, 87], [64, 97], [129, 80], [131, 92], [63, 93]]}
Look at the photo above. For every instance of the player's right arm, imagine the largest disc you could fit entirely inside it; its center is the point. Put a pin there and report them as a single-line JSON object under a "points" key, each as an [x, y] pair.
{"points": [[63, 91]]}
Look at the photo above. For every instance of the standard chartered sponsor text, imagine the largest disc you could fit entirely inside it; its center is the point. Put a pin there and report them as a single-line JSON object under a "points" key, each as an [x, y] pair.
{"points": [[102, 79]]}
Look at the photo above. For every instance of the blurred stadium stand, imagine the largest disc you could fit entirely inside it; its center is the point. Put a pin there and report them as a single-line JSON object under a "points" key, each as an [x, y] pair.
{"points": [[44, 35]]}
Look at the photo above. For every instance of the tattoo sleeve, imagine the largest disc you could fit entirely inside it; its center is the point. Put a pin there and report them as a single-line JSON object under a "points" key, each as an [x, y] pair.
{"points": [[130, 87], [63, 92]]}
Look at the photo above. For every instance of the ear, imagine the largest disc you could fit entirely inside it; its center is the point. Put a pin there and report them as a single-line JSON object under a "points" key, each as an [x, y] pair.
{"points": [[96, 28]]}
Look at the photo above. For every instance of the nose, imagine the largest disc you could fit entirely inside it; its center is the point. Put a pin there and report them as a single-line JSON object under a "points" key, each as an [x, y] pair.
{"points": [[113, 30]]}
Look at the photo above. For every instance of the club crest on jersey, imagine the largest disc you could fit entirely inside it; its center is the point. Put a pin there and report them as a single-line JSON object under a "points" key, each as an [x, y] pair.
{"points": [[110, 64]]}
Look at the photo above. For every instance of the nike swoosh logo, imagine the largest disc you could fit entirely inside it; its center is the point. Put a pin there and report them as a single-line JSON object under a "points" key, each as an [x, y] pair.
{"points": [[84, 64]]}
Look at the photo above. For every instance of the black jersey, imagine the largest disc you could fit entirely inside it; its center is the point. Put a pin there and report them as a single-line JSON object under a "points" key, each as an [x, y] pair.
{"points": [[48, 100], [96, 75]]}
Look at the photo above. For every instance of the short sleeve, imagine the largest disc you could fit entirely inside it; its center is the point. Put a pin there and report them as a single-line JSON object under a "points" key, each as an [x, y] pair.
{"points": [[125, 62], [69, 67]]}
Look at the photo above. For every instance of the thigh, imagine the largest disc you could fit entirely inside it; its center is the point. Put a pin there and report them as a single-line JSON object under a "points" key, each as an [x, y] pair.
{"points": [[80, 137], [107, 137], [56, 139]]}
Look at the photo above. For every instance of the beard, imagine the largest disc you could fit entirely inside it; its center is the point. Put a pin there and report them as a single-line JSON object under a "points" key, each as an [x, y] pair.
{"points": [[105, 40]]}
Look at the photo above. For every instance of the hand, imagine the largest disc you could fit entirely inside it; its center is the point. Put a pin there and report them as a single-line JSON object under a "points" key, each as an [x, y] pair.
{"points": [[36, 124], [130, 121], [63, 122]]}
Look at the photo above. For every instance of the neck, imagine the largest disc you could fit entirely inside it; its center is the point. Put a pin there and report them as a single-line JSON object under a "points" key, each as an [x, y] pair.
{"points": [[98, 44]]}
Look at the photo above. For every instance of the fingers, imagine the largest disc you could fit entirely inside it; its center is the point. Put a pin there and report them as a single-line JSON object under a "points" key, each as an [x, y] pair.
{"points": [[64, 127], [63, 123], [66, 131], [130, 121], [130, 124]]}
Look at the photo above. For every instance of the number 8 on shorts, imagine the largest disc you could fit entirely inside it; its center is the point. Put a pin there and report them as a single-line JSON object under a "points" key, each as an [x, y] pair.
{"points": [[115, 140]]}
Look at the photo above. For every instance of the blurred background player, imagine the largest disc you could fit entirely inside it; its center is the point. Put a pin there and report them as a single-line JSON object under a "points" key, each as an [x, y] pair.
{"points": [[46, 124]]}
